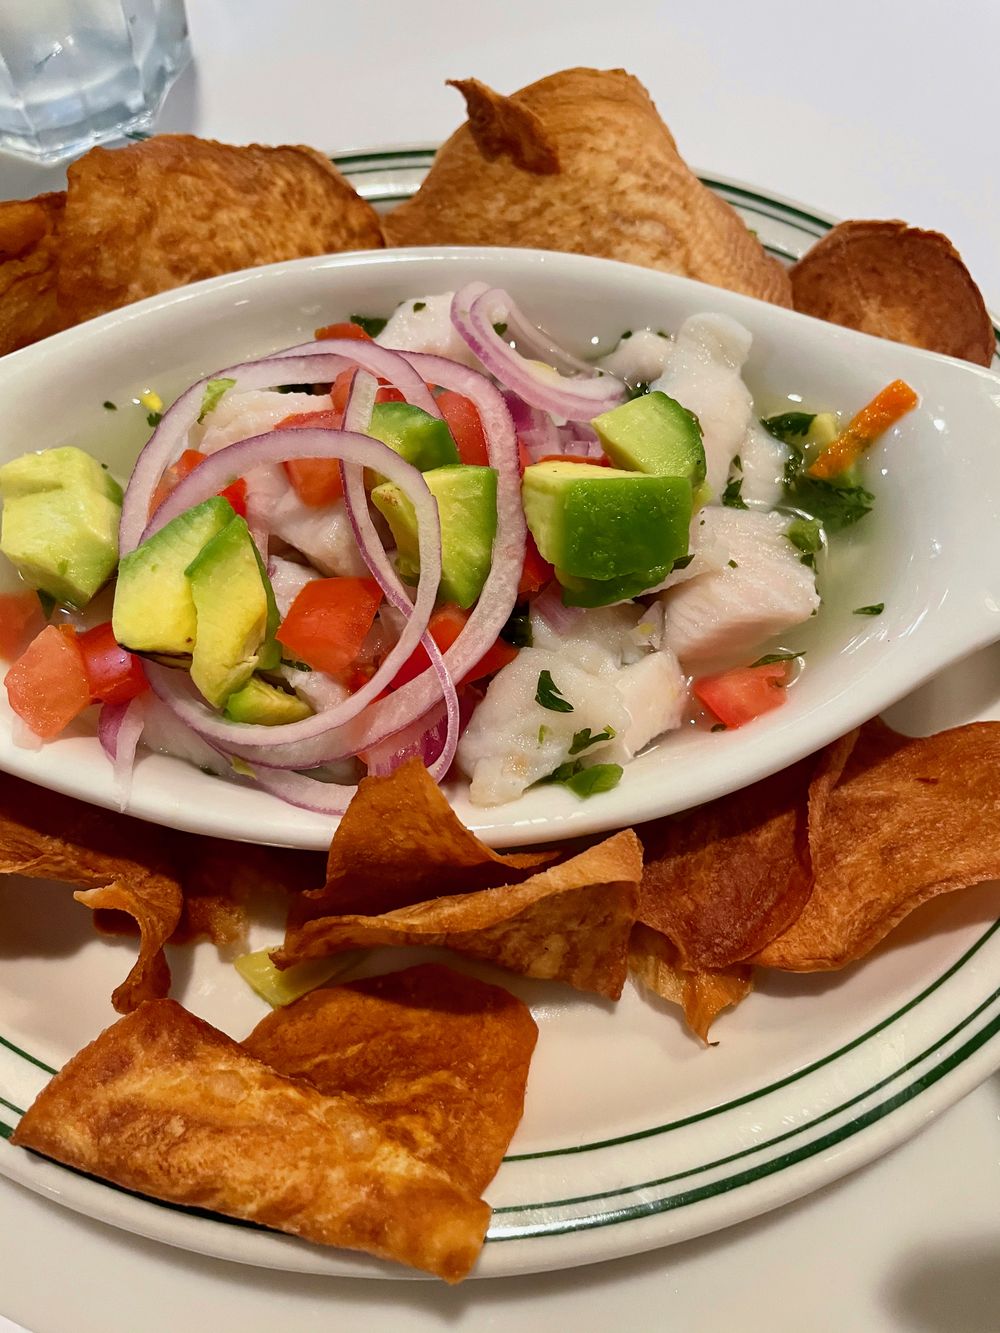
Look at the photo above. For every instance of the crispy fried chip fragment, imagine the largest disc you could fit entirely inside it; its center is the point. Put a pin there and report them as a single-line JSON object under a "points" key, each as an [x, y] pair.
{"points": [[166, 1105], [400, 843], [893, 822], [122, 863], [723, 880], [439, 1058], [702, 994], [173, 209], [569, 923], [896, 282], [581, 161], [29, 244]]}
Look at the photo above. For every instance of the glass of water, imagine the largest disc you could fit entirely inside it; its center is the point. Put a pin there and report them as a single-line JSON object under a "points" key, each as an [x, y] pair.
{"points": [[74, 73]]}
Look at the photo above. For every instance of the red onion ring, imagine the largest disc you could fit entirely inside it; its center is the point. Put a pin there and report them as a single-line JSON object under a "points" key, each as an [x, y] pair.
{"points": [[119, 729], [475, 309], [549, 605]]}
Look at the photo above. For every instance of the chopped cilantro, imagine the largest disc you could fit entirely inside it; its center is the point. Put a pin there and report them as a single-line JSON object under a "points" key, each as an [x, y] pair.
{"points": [[584, 782], [789, 426], [684, 561], [626, 334], [371, 324], [214, 390], [109, 406], [296, 666], [48, 602], [549, 695], [499, 329], [517, 631], [418, 306], [806, 534], [768, 658], [731, 496], [875, 609], [154, 418], [836, 507], [583, 740], [732, 564]]}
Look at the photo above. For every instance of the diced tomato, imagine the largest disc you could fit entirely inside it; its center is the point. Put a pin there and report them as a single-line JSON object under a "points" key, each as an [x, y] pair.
{"points": [[445, 625], [235, 492], [344, 330], [329, 621], [536, 572], [467, 430], [20, 620], [47, 685], [316, 480], [387, 394], [740, 695], [340, 391], [114, 675]]}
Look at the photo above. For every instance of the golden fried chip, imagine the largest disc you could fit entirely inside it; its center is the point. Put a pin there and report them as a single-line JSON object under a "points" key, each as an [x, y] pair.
{"points": [[440, 1059], [28, 253], [723, 880], [901, 822], [166, 1105], [702, 994], [896, 282], [171, 210], [570, 923], [400, 843], [581, 161], [122, 863]]}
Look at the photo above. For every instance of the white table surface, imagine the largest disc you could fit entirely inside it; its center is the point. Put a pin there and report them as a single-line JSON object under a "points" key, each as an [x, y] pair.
{"points": [[860, 109]]}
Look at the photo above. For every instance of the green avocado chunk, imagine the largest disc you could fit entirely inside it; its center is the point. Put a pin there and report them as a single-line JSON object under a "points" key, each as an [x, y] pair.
{"points": [[154, 610], [656, 435], [231, 605], [415, 435], [265, 705], [600, 523], [605, 592], [467, 507], [60, 522]]}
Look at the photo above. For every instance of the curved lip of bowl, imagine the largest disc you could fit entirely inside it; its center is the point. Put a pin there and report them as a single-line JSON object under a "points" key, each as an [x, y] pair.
{"points": [[165, 793]]}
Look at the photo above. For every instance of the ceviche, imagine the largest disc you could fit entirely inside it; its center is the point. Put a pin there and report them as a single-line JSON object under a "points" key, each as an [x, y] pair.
{"points": [[441, 535]]}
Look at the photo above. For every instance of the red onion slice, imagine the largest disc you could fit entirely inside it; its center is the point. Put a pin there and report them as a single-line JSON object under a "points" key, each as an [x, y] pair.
{"points": [[549, 605], [169, 439], [119, 729], [474, 311]]}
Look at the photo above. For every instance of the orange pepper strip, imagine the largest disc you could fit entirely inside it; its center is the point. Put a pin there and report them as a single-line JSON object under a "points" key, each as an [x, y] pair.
{"points": [[884, 410]]}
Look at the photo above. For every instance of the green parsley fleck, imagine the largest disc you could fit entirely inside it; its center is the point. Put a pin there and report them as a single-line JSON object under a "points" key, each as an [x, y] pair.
{"points": [[296, 666], [731, 496], [584, 782], [109, 406], [806, 534], [684, 561], [875, 609], [769, 658], [626, 334], [500, 329], [372, 324], [583, 740], [732, 564], [212, 396], [549, 695], [418, 306], [789, 426]]}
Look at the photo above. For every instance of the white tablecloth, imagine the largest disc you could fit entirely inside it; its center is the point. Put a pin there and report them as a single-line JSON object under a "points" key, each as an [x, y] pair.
{"points": [[859, 109]]}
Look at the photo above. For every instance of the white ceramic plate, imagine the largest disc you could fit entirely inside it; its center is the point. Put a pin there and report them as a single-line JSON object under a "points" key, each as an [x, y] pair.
{"points": [[927, 552], [633, 1136]]}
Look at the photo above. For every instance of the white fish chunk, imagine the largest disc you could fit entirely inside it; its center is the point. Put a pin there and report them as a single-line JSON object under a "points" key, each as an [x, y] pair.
{"points": [[288, 578], [763, 459], [319, 690], [323, 535], [762, 589], [654, 691], [428, 329], [640, 358], [240, 416], [512, 741], [598, 640], [703, 374]]}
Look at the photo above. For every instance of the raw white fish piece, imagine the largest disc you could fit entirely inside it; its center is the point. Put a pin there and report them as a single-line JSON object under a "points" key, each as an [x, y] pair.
{"points": [[654, 691], [240, 416], [763, 459], [599, 639], [319, 690], [501, 751], [427, 330], [717, 617], [288, 578], [639, 358], [323, 535], [703, 374]]}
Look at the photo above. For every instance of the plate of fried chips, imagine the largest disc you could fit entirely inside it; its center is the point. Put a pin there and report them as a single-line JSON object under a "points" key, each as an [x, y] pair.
{"points": [[510, 1063]]}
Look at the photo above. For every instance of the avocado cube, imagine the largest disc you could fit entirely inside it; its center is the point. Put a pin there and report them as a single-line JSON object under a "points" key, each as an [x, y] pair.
{"points": [[606, 592], [265, 705], [467, 507], [66, 468], [154, 610], [653, 434], [595, 522], [64, 543], [231, 608], [415, 435]]}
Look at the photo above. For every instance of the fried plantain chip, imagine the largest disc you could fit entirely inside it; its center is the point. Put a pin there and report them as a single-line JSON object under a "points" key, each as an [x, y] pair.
{"points": [[723, 880], [893, 822], [173, 209], [122, 863], [29, 242], [439, 1058], [702, 994], [896, 282], [569, 923], [401, 843], [166, 1105], [581, 161]]}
